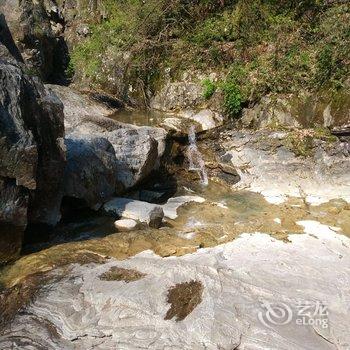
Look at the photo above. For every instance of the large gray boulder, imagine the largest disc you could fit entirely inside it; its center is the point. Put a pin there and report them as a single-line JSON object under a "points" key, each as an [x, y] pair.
{"points": [[91, 170], [138, 150], [178, 95], [32, 153]]}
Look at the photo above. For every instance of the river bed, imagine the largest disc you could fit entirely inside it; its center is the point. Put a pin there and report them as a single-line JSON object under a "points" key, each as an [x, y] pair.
{"points": [[237, 250]]}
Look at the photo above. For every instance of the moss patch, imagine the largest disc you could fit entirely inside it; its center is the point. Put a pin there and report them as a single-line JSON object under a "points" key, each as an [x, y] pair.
{"points": [[301, 141], [184, 297], [119, 274]]}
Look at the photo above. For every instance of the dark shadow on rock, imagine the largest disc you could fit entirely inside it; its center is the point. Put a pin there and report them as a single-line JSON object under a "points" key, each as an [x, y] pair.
{"points": [[107, 100], [60, 63]]}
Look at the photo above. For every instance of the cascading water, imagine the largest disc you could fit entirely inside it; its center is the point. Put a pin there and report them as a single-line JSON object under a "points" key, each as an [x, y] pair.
{"points": [[195, 157]]}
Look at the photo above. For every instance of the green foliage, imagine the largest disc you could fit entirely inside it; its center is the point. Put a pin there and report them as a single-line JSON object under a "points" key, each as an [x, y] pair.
{"points": [[232, 98], [300, 142], [278, 46], [209, 88], [219, 29], [332, 66]]}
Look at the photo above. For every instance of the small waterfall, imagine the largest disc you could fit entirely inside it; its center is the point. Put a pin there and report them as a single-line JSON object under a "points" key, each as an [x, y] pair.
{"points": [[195, 157]]}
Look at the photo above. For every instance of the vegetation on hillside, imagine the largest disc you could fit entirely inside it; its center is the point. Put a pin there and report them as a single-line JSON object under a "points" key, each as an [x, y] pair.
{"points": [[260, 46]]}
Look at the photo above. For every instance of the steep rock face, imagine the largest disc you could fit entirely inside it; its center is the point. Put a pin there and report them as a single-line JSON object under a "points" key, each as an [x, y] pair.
{"points": [[13, 218], [32, 152], [241, 287], [178, 95]]}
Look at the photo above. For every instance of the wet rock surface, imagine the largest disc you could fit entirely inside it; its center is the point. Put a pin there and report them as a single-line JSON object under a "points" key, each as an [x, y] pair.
{"points": [[173, 204]]}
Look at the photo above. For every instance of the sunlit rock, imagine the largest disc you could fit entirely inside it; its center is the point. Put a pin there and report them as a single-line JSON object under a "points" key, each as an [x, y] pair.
{"points": [[124, 225], [151, 214]]}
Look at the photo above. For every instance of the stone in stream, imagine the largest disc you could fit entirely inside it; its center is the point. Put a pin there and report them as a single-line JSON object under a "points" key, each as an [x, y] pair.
{"points": [[149, 213], [204, 119], [125, 225], [144, 212], [32, 151]]}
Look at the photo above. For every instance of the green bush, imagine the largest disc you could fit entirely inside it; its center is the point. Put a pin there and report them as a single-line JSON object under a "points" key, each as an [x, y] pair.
{"points": [[232, 98], [209, 88]]}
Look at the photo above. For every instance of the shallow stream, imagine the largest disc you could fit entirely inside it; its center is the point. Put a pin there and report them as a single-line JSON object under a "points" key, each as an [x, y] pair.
{"points": [[225, 214]]}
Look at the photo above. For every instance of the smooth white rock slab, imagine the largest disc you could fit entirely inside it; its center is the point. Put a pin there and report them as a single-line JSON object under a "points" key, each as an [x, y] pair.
{"points": [[239, 278]]}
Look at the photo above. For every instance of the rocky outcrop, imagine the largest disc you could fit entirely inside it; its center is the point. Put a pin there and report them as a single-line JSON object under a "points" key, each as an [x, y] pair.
{"points": [[289, 164], [185, 104], [246, 301], [177, 96], [79, 108], [32, 151], [327, 109], [138, 150]]}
